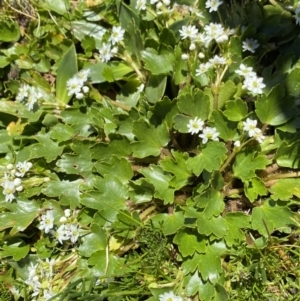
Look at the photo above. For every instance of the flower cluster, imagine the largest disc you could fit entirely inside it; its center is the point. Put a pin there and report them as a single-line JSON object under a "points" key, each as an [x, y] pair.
{"points": [[250, 126], [252, 82], [68, 230], [169, 296], [76, 84], [29, 95], [109, 49], [12, 179], [39, 274], [208, 133], [161, 6], [213, 62]]}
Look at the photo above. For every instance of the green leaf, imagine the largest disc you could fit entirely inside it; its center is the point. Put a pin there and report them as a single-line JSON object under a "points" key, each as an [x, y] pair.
{"points": [[155, 87], [68, 192], [293, 83], [246, 164], [160, 179], [9, 31], [189, 241], [197, 105], [212, 202], [285, 189], [61, 132], [210, 159], [181, 123], [109, 199], [235, 222], [66, 69], [210, 266], [16, 248], [171, 223], [59, 6], [82, 29], [227, 91], [150, 139], [226, 128], [117, 69], [236, 110], [195, 284], [21, 215], [46, 148], [190, 264], [289, 155], [255, 187], [177, 165], [270, 216], [92, 242], [275, 109], [157, 64]]}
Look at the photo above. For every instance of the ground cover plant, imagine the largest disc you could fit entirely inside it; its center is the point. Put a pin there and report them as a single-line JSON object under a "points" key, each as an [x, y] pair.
{"points": [[149, 150]]}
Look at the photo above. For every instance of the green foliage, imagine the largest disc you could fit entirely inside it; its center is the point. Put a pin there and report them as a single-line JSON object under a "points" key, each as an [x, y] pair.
{"points": [[141, 156]]}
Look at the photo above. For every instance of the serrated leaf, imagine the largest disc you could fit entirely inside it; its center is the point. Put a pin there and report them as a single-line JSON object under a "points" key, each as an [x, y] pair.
{"points": [[275, 109], [195, 284], [16, 248], [190, 264], [177, 165], [9, 30], [227, 91], [181, 123], [246, 164], [210, 159], [212, 202], [189, 241], [288, 155], [285, 189], [171, 223], [197, 105], [254, 188], [210, 266], [236, 110], [235, 222], [155, 87], [150, 139], [160, 179], [61, 132], [292, 82], [157, 63], [66, 69], [270, 216], [226, 128]]}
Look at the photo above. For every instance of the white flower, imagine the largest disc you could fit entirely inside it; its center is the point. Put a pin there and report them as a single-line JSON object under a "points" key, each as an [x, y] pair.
{"points": [[47, 220], [23, 92], [195, 125], [8, 188], [79, 95], [258, 135], [189, 31], [105, 52], [204, 67], [254, 84], [213, 5], [297, 15], [85, 89], [209, 133], [67, 212], [22, 168], [185, 56], [73, 232], [74, 85], [170, 296], [83, 75], [237, 143], [217, 60], [214, 31], [192, 47], [141, 5], [61, 234], [117, 35], [250, 45], [249, 126], [245, 71]]}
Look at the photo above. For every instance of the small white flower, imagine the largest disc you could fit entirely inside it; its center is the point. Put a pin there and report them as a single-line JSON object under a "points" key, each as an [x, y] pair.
{"points": [[209, 133], [250, 45], [67, 212], [195, 125], [217, 60], [254, 84], [166, 2], [215, 31], [297, 15], [23, 92], [105, 52], [8, 189], [213, 5], [141, 5], [189, 31], [204, 67], [117, 35], [47, 220], [85, 89], [258, 135], [83, 75], [74, 85], [245, 71], [184, 56], [237, 143], [73, 232], [22, 168], [169, 296], [249, 126], [201, 55], [61, 234], [192, 47], [79, 95]]}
